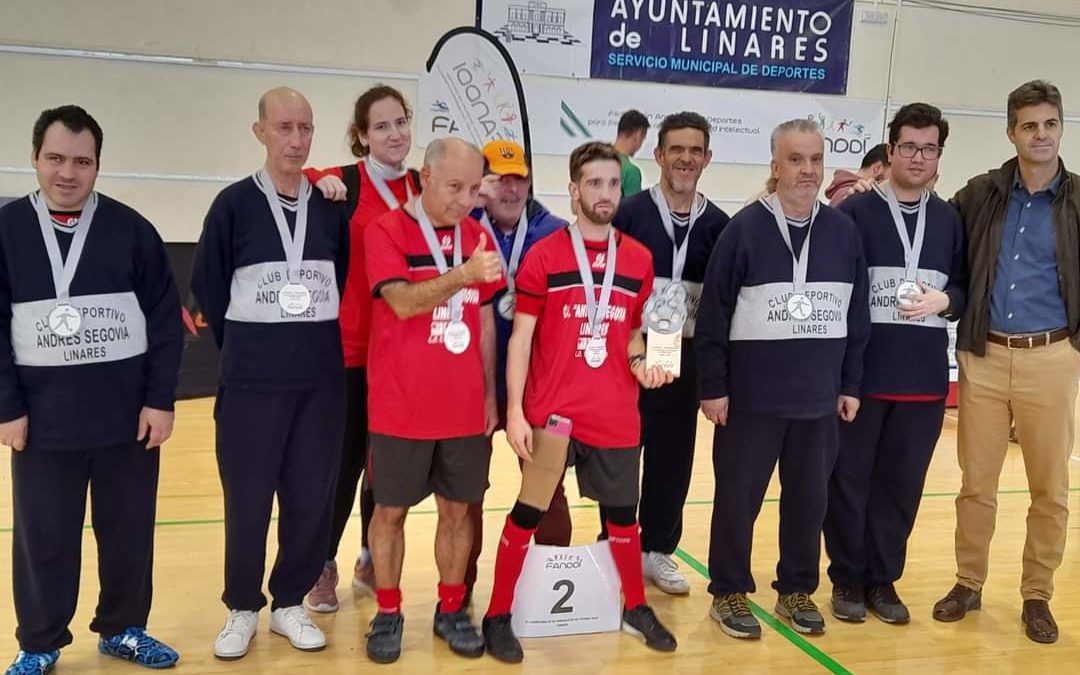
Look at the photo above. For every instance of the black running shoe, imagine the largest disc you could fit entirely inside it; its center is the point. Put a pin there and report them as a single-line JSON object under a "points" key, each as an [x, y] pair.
{"points": [[642, 621], [500, 641]]}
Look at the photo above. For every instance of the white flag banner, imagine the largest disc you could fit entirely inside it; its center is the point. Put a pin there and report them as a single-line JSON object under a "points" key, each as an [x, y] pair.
{"points": [[566, 113], [471, 90]]}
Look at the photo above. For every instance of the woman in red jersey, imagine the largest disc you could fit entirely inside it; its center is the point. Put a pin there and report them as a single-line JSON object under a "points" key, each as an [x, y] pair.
{"points": [[380, 137]]}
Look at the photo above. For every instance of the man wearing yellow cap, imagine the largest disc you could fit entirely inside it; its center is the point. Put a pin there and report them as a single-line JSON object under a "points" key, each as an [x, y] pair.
{"points": [[515, 221]]}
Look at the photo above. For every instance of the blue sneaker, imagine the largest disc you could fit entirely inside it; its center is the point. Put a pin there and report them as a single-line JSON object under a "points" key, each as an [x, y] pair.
{"points": [[136, 646], [33, 663]]}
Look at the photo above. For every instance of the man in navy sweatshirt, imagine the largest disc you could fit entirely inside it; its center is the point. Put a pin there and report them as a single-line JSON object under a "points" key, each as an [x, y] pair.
{"points": [[781, 331], [268, 273], [914, 244], [679, 226], [92, 337]]}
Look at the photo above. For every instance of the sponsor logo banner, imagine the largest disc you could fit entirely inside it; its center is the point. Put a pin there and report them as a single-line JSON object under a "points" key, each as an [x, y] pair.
{"points": [[565, 113]]}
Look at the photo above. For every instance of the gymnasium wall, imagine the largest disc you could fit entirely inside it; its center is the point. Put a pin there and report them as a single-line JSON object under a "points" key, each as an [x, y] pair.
{"points": [[175, 84]]}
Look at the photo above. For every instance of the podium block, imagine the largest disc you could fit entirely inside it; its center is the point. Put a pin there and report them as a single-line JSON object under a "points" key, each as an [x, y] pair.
{"points": [[567, 591]]}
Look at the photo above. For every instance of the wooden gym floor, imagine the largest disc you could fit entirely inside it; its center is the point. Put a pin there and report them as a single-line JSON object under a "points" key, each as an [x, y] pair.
{"points": [[188, 574]]}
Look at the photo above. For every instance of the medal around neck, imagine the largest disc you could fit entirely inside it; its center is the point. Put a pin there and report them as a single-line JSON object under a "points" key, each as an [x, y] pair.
{"points": [[799, 306], [906, 288], [596, 351], [507, 304], [64, 320], [456, 337], [294, 298]]}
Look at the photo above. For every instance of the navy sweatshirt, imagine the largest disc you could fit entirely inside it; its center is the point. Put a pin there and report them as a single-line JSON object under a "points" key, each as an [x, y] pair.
{"points": [[85, 390], [748, 347], [639, 217], [240, 267], [906, 357]]}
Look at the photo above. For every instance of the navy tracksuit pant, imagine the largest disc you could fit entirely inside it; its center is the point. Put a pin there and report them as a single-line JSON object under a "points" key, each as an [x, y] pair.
{"points": [[49, 494], [285, 443], [876, 487], [745, 452], [669, 418], [353, 459]]}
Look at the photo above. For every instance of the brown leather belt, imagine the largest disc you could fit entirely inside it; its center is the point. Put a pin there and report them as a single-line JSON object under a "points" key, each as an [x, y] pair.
{"points": [[1028, 341]]}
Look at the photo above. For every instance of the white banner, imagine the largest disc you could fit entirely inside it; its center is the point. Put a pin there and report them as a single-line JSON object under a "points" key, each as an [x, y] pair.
{"points": [[565, 113], [469, 90], [545, 38]]}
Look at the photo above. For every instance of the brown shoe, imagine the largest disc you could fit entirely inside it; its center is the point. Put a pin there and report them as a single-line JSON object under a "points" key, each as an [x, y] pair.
{"points": [[959, 601], [1039, 624]]}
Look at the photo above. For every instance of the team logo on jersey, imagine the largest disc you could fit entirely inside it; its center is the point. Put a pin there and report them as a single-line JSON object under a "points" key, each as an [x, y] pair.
{"points": [[600, 262], [447, 242]]}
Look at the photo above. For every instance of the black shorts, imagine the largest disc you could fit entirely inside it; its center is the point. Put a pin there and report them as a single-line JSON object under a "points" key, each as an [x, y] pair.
{"points": [[611, 476], [404, 471]]}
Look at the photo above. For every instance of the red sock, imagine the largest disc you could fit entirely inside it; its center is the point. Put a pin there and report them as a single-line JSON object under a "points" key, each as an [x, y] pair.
{"points": [[625, 542], [451, 597], [389, 600], [513, 545]]}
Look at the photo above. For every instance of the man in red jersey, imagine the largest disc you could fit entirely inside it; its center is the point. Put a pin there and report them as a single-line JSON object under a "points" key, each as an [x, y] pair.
{"points": [[431, 374], [574, 363]]}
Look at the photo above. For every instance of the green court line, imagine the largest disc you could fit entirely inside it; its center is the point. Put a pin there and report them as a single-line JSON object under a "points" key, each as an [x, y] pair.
{"points": [[506, 509], [772, 622]]}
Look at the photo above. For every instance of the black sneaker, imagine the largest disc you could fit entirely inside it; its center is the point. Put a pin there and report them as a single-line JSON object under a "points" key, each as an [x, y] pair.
{"points": [[849, 603], [803, 613], [459, 632], [732, 612], [384, 638], [500, 641], [642, 621], [882, 600]]}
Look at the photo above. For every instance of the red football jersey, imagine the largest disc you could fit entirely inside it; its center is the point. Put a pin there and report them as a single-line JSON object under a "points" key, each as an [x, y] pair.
{"points": [[354, 315], [418, 389], [600, 402]]}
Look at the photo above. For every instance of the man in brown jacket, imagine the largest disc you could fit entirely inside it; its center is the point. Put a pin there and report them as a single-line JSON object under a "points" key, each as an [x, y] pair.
{"points": [[1016, 348]]}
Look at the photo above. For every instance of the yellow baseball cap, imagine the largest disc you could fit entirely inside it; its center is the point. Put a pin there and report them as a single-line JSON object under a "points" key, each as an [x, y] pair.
{"points": [[506, 158]]}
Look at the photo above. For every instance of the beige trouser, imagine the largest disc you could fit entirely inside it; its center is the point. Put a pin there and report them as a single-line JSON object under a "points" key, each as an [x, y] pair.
{"points": [[1039, 385]]}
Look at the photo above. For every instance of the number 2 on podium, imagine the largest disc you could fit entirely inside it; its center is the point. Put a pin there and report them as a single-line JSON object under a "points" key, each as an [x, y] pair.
{"points": [[560, 606]]}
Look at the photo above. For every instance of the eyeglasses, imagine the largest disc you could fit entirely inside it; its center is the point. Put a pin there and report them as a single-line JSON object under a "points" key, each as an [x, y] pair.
{"points": [[908, 150]]}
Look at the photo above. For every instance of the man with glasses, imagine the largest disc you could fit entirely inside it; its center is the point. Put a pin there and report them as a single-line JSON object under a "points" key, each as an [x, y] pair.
{"points": [[917, 282], [1016, 347]]}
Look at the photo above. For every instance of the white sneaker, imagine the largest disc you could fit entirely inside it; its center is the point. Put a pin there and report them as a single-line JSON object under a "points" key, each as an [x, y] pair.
{"points": [[295, 624], [660, 569], [233, 640]]}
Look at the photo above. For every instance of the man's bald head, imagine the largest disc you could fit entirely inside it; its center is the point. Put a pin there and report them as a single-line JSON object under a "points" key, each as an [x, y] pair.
{"points": [[451, 177], [281, 95], [442, 149], [285, 127]]}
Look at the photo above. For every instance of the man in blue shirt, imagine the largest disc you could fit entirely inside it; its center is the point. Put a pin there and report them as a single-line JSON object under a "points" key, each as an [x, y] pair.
{"points": [[1015, 347], [515, 221]]}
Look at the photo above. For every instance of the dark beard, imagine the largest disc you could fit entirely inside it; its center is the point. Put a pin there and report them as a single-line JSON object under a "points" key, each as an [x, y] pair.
{"points": [[595, 217]]}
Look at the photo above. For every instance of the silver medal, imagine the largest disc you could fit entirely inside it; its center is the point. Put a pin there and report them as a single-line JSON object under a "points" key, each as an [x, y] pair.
{"points": [[907, 287], [507, 304], [64, 320], [799, 306], [294, 298], [456, 337], [596, 352]]}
